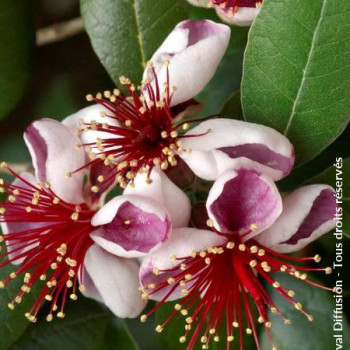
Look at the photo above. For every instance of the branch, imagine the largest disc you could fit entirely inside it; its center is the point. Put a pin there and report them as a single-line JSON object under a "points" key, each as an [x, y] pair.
{"points": [[59, 31]]}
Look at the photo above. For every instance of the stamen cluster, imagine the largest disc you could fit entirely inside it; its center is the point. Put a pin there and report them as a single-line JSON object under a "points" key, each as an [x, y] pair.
{"points": [[140, 132], [219, 285], [51, 251]]}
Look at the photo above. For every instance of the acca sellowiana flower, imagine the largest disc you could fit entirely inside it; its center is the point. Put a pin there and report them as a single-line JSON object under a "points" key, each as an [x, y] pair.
{"points": [[218, 274], [54, 233], [126, 137], [237, 12]]}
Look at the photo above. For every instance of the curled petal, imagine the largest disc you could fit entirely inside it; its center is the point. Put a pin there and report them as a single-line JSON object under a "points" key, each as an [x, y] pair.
{"points": [[244, 16], [53, 149], [182, 243], [308, 213], [226, 143], [14, 249], [243, 201], [115, 279], [190, 70], [88, 115], [165, 192], [131, 226]]}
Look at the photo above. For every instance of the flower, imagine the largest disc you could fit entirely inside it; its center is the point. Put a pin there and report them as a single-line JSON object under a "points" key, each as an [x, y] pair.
{"points": [[237, 12], [136, 133], [128, 137], [218, 274], [53, 233]]}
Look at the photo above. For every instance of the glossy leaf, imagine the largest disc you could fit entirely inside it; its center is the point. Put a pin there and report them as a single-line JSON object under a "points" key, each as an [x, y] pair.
{"points": [[16, 54], [13, 323], [125, 33], [297, 73], [302, 334], [87, 325]]}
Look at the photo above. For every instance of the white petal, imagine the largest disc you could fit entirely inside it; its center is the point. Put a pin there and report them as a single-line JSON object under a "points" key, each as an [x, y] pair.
{"points": [[53, 149], [131, 226], [242, 200], [181, 243], [190, 70], [89, 114], [243, 17], [307, 214], [229, 143], [165, 192], [116, 281]]}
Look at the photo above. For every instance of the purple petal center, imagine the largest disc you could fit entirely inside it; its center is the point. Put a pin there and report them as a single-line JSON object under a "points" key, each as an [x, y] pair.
{"points": [[135, 229], [322, 210], [261, 154], [245, 200]]}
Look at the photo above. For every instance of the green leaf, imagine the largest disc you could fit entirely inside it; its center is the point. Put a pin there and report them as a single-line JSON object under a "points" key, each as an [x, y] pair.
{"points": [[337, 177], [16, 54], [296, 71], [126, 33], [87, 325], [13, 322], [233, 107], [301, 334]]}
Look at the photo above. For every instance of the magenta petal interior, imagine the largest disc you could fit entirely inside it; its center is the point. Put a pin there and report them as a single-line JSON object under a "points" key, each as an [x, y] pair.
{"points": [[135, 229], [245, 200], [39, 147], [322, 210], [199, 30], [261, 154]]}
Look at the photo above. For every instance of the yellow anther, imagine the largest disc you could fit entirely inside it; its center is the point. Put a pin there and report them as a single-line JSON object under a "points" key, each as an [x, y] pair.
{"points": [[182, 339], [62, 250], [235, 324], [216, 339], [189, 319], [13, 275], [253, 263], [49, 318], [317, 258], [11, 306], [171, 280], [204, 339], [210, 223], [328, 270], [73, 297], [248, 331], [298, 306], [311, 318], [261, 252], [230, 245], [89, 98], [283, 268], [287, 322], [188, 277], [241, 247], [143, 318], [71, 262], [291, 293], [276, 284], [159, 328], [177, 307], [184, 312], [184, 291], [94, 189], [2, 285], [69, 284], [60, 314], [230, 338], [53, 266], [261, 319], [207, 261], [268, 324], [174, 134], [254, 249], [82, 288], [254, 227]]}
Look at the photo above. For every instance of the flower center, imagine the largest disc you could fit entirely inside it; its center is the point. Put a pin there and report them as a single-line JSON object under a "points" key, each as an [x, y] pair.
{"points": [[47, 238], [220, 284], [139, 132]]}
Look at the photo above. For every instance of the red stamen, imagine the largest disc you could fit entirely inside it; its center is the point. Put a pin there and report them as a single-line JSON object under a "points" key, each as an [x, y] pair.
{"points": [[218, 285], [53, 250], [148, 135]]}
